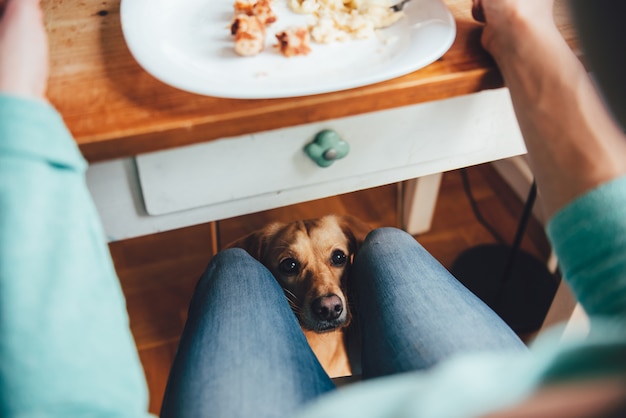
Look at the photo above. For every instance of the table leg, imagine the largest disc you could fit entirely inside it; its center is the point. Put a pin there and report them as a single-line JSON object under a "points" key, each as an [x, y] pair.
{"points": [[419, 199]]}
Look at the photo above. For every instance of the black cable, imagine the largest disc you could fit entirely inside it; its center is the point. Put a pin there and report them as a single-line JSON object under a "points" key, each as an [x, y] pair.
{"points": [[479, 217], [514, 283], [521, 228]]}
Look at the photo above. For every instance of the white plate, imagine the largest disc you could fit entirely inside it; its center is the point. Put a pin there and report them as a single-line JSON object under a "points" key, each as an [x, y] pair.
{"points": [[187, 44]]}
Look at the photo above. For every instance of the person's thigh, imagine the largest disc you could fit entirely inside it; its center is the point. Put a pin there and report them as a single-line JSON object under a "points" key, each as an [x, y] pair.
{"points": [[413, 313], [242, 353]]}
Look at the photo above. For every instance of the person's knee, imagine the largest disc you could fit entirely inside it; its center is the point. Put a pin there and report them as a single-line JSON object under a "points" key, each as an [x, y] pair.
{"points": [[233, 257], [233, 267], [385, 244], [389, 237]]}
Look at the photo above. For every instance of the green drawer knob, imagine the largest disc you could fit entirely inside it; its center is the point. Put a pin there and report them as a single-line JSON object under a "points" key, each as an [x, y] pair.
{"points": [[326, 148]]}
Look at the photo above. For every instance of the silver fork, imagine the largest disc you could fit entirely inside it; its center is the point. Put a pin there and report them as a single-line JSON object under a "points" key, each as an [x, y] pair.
{"points": [[399, 6]]}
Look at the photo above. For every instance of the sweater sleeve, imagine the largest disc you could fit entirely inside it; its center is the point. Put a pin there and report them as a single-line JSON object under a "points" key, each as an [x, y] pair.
{"points": [[65, 344], [589, 238]]}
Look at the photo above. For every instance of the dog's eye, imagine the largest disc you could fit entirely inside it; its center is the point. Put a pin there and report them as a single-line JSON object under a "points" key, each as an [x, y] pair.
{"points": [[338, 258], [289, 266]]}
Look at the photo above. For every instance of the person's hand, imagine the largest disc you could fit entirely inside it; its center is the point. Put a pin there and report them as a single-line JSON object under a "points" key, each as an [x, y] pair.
{"points": [[23, 49], [509, 22]]}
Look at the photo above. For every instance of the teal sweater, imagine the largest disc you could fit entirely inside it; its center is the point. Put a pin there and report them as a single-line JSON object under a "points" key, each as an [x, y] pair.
{"points": [[65, 345]]}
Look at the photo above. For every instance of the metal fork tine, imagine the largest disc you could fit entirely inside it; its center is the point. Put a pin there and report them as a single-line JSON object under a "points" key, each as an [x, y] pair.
{"points": [[399, 6]]}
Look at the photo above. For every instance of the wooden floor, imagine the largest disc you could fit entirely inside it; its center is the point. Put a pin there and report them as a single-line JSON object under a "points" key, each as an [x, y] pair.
{"points": [[158, 273]]}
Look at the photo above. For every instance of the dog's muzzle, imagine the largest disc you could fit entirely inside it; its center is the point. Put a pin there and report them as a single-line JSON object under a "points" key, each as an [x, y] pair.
{"points": [[329, 313]]}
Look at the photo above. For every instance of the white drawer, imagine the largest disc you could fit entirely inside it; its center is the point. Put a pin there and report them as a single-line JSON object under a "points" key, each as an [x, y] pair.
{"points": [[237, 176], [274, 161]]}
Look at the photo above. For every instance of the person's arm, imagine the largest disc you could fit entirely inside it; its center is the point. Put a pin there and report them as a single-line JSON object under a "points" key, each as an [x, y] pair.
{"points": [[576, 150], [573, 144], [65, 345], [23, 49]]}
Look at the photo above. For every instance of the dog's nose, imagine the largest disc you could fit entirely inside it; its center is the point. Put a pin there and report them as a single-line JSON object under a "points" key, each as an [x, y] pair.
{"points": [[328, 307]]}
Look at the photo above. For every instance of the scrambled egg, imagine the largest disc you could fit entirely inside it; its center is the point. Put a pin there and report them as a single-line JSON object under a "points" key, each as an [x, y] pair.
{"points": [[341, 20]]}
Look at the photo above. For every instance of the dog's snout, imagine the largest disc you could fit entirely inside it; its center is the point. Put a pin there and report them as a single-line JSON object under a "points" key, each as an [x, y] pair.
{"points": [[328, 308]]}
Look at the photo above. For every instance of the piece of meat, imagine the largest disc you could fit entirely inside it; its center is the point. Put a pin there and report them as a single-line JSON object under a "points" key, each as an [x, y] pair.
{"points": [[249, 35], [294, 41], [261, 9]]}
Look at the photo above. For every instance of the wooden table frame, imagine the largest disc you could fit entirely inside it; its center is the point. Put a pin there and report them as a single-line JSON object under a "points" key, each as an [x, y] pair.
{"points": [[115, 109]]}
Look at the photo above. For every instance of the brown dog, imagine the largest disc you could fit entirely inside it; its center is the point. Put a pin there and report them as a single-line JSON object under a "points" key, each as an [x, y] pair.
{"points": [[311, 260]]}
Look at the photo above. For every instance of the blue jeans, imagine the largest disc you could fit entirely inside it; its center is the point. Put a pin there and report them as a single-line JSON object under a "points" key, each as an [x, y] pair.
{"points": [[242, 353]]}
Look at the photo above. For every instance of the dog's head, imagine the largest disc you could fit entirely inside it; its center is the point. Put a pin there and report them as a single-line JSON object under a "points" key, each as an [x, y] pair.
{"points": [[311, 261]]}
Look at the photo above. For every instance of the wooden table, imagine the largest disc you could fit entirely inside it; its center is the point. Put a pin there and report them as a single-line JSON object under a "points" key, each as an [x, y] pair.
{"points": [[117, 111]]}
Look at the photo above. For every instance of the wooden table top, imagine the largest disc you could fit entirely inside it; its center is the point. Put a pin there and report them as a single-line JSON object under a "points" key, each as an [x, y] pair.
{"points": [[115, 109]]}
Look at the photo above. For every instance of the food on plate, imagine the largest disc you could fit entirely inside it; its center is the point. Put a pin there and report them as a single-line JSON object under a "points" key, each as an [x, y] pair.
{"points": [[294, 41], [339, 20], [262, 9], [249, 34], [333, 20], [304, 6]]}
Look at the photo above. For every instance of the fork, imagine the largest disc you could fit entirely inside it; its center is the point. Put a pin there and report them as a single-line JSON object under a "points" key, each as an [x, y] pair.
{"points": [[399, 6]]}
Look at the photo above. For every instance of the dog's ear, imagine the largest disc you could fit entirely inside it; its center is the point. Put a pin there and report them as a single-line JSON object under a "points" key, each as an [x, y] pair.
{"points": [[256, 243], [355, 229]]}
